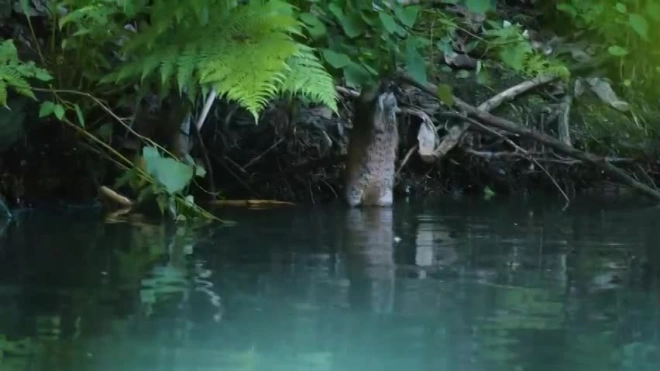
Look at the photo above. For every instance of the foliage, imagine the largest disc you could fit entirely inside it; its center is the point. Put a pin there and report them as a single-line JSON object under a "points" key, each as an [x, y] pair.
{"points": [[14, 72], [514, 49], [254, 51], [627, 29], [363, 44], [246, 52], [167, 179]]}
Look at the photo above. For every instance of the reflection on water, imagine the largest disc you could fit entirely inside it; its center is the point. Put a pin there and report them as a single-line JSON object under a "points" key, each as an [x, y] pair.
{"points": [[452, 286]]}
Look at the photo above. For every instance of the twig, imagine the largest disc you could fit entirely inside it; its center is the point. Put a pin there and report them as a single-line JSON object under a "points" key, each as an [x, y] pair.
{"points": [[406, 159], [116, 197], [510, 126], [232, 173], [558, 160], [207, 107], [263, 153], [425, 118], [127, 163], [563, 122], [207, 160], [346, 91], [527, 155], [239, 167], [450, 140], [549, 141]]}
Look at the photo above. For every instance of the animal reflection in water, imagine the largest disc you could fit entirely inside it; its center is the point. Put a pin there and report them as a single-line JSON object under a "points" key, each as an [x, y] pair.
{"points": [[369, 242]]}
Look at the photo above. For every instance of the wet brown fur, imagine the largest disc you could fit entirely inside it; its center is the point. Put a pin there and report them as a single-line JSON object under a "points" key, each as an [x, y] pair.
{"points": [[372, 148]]}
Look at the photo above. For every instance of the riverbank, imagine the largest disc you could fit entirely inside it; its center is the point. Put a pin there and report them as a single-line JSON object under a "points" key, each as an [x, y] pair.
{"points": [[552, 113]]}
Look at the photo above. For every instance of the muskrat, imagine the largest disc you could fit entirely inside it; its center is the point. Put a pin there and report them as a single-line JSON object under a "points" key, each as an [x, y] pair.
{"points": [[372, 149]]}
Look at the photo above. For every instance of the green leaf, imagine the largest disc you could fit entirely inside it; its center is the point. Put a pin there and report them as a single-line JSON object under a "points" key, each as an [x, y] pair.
{"points": [[514, 55], [639, 25], [369, 17], [415, 64], [408, 15], [309, 18], [488, 193], [46, 108], [356, 75], [200, 171], [483, 77], [104, 132], [81, 118], [617, 51], [621, 8], [352, 25], [150, 155], [567, 8], [42, 75], [3, 93], [388, 22], [315, 27], [172, 174], [336, 60], [653, 10], [478, 6], [58, 110], [420, 42], [445, 94]]}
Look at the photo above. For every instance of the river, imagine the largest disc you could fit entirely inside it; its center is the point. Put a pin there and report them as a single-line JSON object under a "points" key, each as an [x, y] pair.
{"points": [[448, 285]]}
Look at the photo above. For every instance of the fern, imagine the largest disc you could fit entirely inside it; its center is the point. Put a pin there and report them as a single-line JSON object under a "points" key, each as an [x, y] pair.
{"points": [[307, 76], [247, 52], [14, 73]]}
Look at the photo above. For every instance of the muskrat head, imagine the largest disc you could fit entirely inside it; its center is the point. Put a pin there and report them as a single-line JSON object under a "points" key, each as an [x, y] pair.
{"points": [[387, 108]]}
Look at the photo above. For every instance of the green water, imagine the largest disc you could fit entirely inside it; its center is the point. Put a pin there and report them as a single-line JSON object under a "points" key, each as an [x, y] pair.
{"points": [[441, 286]]}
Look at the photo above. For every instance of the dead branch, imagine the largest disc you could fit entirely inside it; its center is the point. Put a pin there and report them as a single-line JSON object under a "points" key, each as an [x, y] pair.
{"points": [[452, 138], [555, 144], [523, 151], [563, 122], [500, 123], [539, 156], [113, 196]]}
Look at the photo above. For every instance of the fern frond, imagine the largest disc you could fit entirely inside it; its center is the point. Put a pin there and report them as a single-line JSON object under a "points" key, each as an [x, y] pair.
{"points": [[14, 73], [307, 76], [3, 93], [246, 52], [244, 55], [96, 14]]}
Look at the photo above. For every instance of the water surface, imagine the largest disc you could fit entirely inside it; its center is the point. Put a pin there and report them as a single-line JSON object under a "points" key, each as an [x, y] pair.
{"points": [[440, 286]]}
